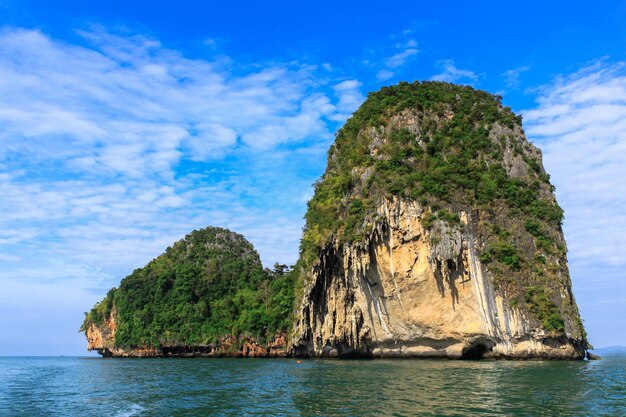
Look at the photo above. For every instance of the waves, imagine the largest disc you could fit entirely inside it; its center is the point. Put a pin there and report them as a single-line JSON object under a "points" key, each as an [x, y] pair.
{"points": [[283, 387]]}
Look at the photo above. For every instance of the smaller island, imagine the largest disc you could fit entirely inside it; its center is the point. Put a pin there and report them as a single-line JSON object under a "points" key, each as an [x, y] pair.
{"points": [[207, 295]]}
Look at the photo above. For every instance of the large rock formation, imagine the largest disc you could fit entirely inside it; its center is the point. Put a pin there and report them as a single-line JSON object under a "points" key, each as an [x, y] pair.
{"points": [[434, 232], [207, 295]]}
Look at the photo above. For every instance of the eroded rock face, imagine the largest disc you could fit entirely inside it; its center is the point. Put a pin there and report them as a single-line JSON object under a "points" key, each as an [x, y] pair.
{"points": [[102, 340], [404, 292]]}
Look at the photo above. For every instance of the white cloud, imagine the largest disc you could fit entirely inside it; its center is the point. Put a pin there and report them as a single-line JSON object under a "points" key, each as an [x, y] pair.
{"points": [[136, 99], [349, 98], [210, 43], [512, 76], [112, 150], [384, 75], [452, 74], [580, 124], [399, 59], [348, 94], [400, 54], [210, 140]]}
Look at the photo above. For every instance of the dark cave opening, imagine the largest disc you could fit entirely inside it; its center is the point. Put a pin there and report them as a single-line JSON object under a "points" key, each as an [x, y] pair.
{"points": [[476, 351]]}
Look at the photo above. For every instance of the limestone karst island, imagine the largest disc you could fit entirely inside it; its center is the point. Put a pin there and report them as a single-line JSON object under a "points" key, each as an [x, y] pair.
{"points": [[434, 232]]}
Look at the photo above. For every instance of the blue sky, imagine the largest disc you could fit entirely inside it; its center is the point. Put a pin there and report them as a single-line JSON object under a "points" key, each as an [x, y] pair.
{"points": [[125, 126]]}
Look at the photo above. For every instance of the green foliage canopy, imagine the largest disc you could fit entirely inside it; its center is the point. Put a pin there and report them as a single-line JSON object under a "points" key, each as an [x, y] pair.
{"points": [[208, 285]]}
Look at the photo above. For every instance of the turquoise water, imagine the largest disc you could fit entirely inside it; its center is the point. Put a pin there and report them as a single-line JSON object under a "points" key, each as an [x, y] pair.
{"points": [[51, 386]]}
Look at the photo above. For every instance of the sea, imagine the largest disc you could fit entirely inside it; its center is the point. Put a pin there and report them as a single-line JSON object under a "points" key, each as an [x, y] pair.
{"points": [[75, 386]]}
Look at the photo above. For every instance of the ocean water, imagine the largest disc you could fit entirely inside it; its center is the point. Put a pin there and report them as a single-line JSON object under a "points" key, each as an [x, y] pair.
{"points": [[70, 386]]}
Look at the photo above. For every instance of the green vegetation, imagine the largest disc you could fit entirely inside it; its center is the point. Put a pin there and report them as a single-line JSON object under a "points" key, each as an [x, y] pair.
{"points": [[208, 285], [444, 215], [503, 252], [546, 310], [451, 159]]}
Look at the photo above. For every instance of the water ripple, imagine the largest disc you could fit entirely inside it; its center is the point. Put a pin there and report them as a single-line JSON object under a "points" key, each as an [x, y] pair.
{"points": [[236, 387]]}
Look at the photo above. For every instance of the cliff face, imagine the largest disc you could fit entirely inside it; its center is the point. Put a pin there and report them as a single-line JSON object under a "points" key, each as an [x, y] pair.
{"points": [[399, 294], [453, 274]]}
